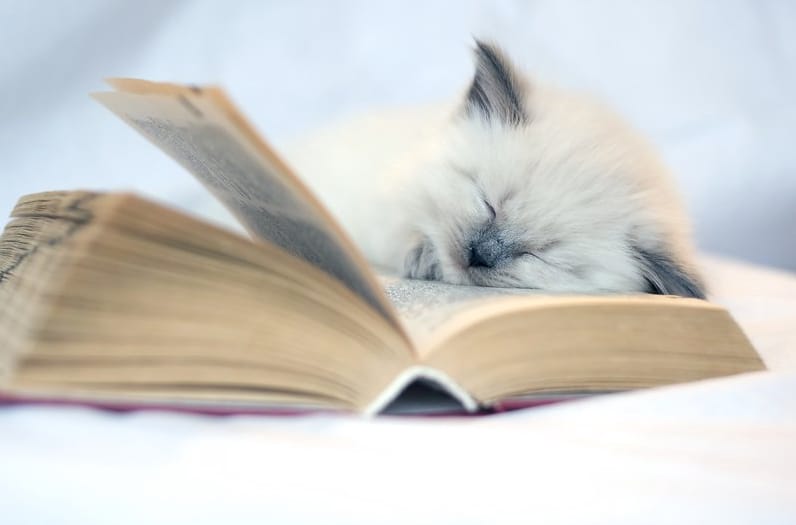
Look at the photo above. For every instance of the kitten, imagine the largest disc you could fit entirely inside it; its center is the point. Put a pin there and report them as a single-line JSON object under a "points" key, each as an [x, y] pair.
{"points": [[522, 186]]}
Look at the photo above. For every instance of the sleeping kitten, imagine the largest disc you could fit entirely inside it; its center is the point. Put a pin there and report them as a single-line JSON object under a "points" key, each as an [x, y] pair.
{"points": [[517, 185]]}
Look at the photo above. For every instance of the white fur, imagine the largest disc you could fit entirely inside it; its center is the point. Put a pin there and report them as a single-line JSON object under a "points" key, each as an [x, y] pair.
{"points": [[572, 186]]}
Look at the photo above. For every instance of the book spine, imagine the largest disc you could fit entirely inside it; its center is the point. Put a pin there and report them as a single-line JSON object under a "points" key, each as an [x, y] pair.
{"points": [[415, 373]]}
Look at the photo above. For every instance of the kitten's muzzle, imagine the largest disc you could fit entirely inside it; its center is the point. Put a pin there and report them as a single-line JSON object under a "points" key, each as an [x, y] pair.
{"points": [[487, 250]]}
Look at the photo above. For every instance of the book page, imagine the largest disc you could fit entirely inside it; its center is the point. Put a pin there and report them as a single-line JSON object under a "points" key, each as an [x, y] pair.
{"points": [[201, 130], [29, 248], [424, 306]]}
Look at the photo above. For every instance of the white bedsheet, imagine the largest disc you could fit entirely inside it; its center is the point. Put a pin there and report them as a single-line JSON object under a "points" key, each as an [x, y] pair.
{"points": [[720, 451]]}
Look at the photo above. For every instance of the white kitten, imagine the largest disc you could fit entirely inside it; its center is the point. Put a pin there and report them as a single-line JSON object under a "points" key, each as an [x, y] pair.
{"points": [[519, 185]]}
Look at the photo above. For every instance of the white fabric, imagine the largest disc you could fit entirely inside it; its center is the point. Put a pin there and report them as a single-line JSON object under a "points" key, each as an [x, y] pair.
{"points": [[711, 82], [715, 453], [720, 451]]}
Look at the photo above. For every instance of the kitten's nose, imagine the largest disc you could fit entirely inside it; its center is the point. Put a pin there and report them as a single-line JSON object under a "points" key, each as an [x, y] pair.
{"points": [[485, 252]]}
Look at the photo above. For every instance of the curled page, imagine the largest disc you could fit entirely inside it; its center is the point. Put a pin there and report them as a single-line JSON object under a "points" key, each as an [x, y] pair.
{"points": [[202, 130]]}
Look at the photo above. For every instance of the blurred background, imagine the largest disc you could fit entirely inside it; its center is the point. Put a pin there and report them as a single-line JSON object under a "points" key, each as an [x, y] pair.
{"points": [[712, 83]]}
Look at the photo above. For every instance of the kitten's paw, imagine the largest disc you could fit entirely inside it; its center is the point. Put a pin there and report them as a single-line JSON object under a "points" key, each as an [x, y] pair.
{"points": [[422, 263]]}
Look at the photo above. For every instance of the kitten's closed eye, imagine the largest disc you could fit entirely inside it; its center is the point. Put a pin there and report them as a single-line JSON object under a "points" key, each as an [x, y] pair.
{"points": [[491, 209], [539, 250]]}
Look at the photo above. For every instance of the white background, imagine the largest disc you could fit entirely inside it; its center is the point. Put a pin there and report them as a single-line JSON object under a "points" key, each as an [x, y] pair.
{"points": [[712, 83]]}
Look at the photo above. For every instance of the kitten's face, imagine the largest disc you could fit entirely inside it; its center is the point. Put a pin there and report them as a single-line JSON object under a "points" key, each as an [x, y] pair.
{"points": [[536, 189]]}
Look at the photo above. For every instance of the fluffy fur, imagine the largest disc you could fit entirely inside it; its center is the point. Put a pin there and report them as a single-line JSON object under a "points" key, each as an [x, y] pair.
{"points": [[518, 185]]}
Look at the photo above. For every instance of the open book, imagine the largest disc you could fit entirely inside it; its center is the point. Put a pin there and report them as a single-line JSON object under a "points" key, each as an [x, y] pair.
{"points": [[111, 298]]}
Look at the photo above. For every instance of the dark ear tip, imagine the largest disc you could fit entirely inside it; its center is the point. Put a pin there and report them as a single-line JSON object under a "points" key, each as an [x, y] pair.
{"points": [[497, 90], [486, 49], [665, 276], [687, 286], [480, 45]]}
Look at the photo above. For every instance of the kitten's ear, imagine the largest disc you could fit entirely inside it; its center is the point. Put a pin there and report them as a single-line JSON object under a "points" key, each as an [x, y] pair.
{"points": [[665, 277], [497, 90]]}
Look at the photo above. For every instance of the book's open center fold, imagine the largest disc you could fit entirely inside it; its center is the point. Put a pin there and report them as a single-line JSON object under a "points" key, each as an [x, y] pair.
{"points": [[422, 385]]}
